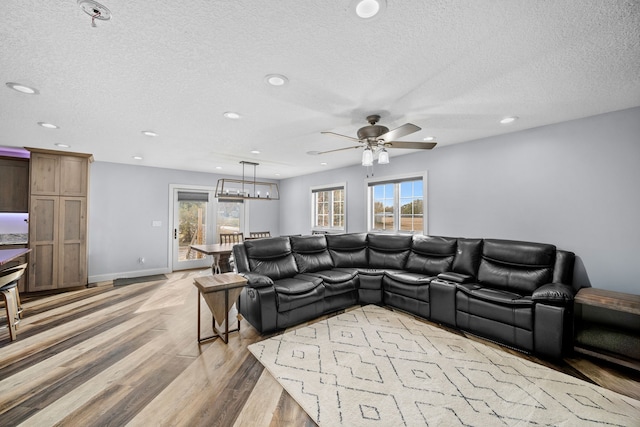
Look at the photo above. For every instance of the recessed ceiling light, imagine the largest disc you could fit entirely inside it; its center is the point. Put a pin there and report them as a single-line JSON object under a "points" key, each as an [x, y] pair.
{"points": [[277, 174], [255, 152], [508, 120], [137, 157], [429, 138], [48, 125], [367, 9], [323, 164], [22, 88], [149, 133], [276, 79], [218, 167], [62, 145], [231, 115]]}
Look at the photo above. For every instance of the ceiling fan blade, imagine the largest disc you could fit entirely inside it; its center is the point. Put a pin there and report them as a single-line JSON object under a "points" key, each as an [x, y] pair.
{"points": [[404, 130], [316, 153], [339, 134], [410, 144]]}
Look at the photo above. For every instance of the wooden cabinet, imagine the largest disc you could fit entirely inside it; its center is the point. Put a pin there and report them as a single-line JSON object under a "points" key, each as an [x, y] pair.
{"points": [[58, 220], [14, 184]]}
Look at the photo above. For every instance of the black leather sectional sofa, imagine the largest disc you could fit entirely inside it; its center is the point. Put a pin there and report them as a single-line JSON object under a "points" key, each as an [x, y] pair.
{"points": [[515, 293]]}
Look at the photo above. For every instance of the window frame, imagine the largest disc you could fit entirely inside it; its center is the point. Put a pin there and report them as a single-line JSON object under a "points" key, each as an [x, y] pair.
{"points": [[314, 190], [396, 180]]}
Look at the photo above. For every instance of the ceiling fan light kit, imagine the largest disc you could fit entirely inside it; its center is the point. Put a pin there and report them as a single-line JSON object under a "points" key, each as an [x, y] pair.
{"points": [[367, 157], [378, 138], [383, 157]]}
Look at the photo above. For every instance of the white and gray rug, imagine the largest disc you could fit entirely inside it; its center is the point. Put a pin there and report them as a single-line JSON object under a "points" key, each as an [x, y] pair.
{"points": [[374, 367]]}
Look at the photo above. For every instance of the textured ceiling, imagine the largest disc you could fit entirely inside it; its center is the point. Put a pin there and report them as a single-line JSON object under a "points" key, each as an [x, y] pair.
{"points": [[453, 68]]}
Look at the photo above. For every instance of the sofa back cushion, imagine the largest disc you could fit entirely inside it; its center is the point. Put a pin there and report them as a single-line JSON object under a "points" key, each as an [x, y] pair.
{"points": [[348, 250], [431, 254], [311, 253], [468, 255], [519, 267], [271, 257], [389, 250]]}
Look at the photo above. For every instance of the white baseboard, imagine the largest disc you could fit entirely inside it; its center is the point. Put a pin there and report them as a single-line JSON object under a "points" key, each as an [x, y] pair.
{"points": [[128, 274]]}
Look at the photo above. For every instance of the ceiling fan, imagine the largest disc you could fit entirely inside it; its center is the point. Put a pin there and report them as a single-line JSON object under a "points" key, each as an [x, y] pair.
{"points": [[377, 138]]}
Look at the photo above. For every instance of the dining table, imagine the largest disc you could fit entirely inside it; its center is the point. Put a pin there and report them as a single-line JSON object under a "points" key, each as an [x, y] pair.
{"points": [[8, 255], [215, 250]]}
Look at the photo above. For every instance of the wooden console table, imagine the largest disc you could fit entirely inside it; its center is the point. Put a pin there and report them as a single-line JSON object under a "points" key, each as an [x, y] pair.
{"points": [[220, 291], [618, 319]]}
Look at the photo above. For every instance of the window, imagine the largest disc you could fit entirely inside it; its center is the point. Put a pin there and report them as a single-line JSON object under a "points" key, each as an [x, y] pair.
{"points": [[396, 205], [328, 208]]}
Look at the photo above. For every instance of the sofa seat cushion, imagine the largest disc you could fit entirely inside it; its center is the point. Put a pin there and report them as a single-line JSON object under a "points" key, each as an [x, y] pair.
{"points": [[338, 275], [298, 291], [410, 285], [373, 271], [505, 307]]}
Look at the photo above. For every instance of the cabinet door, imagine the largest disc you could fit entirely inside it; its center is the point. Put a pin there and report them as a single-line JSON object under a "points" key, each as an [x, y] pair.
{"points": [[14, 185], [74, 172], [45, 174], [43, 241], [72, 242]]}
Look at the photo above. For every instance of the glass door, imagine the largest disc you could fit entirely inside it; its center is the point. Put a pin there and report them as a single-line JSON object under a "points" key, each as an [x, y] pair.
{"points": [[230, 217], [192, 225]]}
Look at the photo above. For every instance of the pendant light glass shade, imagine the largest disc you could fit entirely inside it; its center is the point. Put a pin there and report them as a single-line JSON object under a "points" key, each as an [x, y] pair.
{"points": [[383, 157], [367, 157]]}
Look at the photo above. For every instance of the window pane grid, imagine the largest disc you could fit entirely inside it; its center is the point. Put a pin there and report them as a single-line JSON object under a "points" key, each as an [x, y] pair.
{"points": [[397, 206], [329, 208]]}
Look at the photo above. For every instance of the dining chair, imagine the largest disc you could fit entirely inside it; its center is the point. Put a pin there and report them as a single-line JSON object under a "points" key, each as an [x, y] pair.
{"points": [[9, 288], [259, 234], [232, 238], [226, 262]]}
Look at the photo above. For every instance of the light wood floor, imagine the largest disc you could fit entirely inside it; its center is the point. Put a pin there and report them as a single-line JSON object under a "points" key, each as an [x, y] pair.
{"points": [[129, 356]]}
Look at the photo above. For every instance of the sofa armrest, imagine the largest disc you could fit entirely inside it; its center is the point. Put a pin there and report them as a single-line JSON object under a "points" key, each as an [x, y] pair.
{"points": [[255, 280], [553, 293], [450, 276]]}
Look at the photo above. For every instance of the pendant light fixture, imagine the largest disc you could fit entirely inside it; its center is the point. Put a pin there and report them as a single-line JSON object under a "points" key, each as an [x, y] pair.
{"points": [[247, 188]]}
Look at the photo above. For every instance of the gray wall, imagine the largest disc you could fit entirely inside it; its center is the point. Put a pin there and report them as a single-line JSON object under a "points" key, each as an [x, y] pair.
{"points": [[123, 202], [573, 184]]}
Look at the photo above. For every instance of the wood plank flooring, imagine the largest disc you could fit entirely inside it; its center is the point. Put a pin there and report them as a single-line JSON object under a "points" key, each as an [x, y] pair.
{"points": [[113, 356]]}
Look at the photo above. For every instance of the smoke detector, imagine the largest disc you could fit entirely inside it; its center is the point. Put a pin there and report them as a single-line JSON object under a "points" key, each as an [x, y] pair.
{"points": [[95, 10]]}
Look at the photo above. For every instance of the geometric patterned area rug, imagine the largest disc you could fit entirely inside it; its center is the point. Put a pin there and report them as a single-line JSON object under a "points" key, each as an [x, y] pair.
{"points": [[374, 367]]}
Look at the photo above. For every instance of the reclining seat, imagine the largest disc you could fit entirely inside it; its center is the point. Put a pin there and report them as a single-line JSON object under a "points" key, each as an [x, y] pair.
{"points": [[387, 254], [515, 295], [313, 259], [349, 255], [275, 296], [409, 290]]}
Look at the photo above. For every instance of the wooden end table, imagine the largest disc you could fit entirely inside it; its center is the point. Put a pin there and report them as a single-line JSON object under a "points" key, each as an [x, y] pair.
{"points": [[623, 328], [220, 291]]}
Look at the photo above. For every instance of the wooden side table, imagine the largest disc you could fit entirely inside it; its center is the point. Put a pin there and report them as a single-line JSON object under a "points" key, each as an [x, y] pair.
{"points": [[608, 326], [220, 292]]}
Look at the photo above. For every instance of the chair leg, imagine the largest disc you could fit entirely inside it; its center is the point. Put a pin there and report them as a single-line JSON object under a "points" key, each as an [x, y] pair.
{"points": [[19, 305], [10, 303]]}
